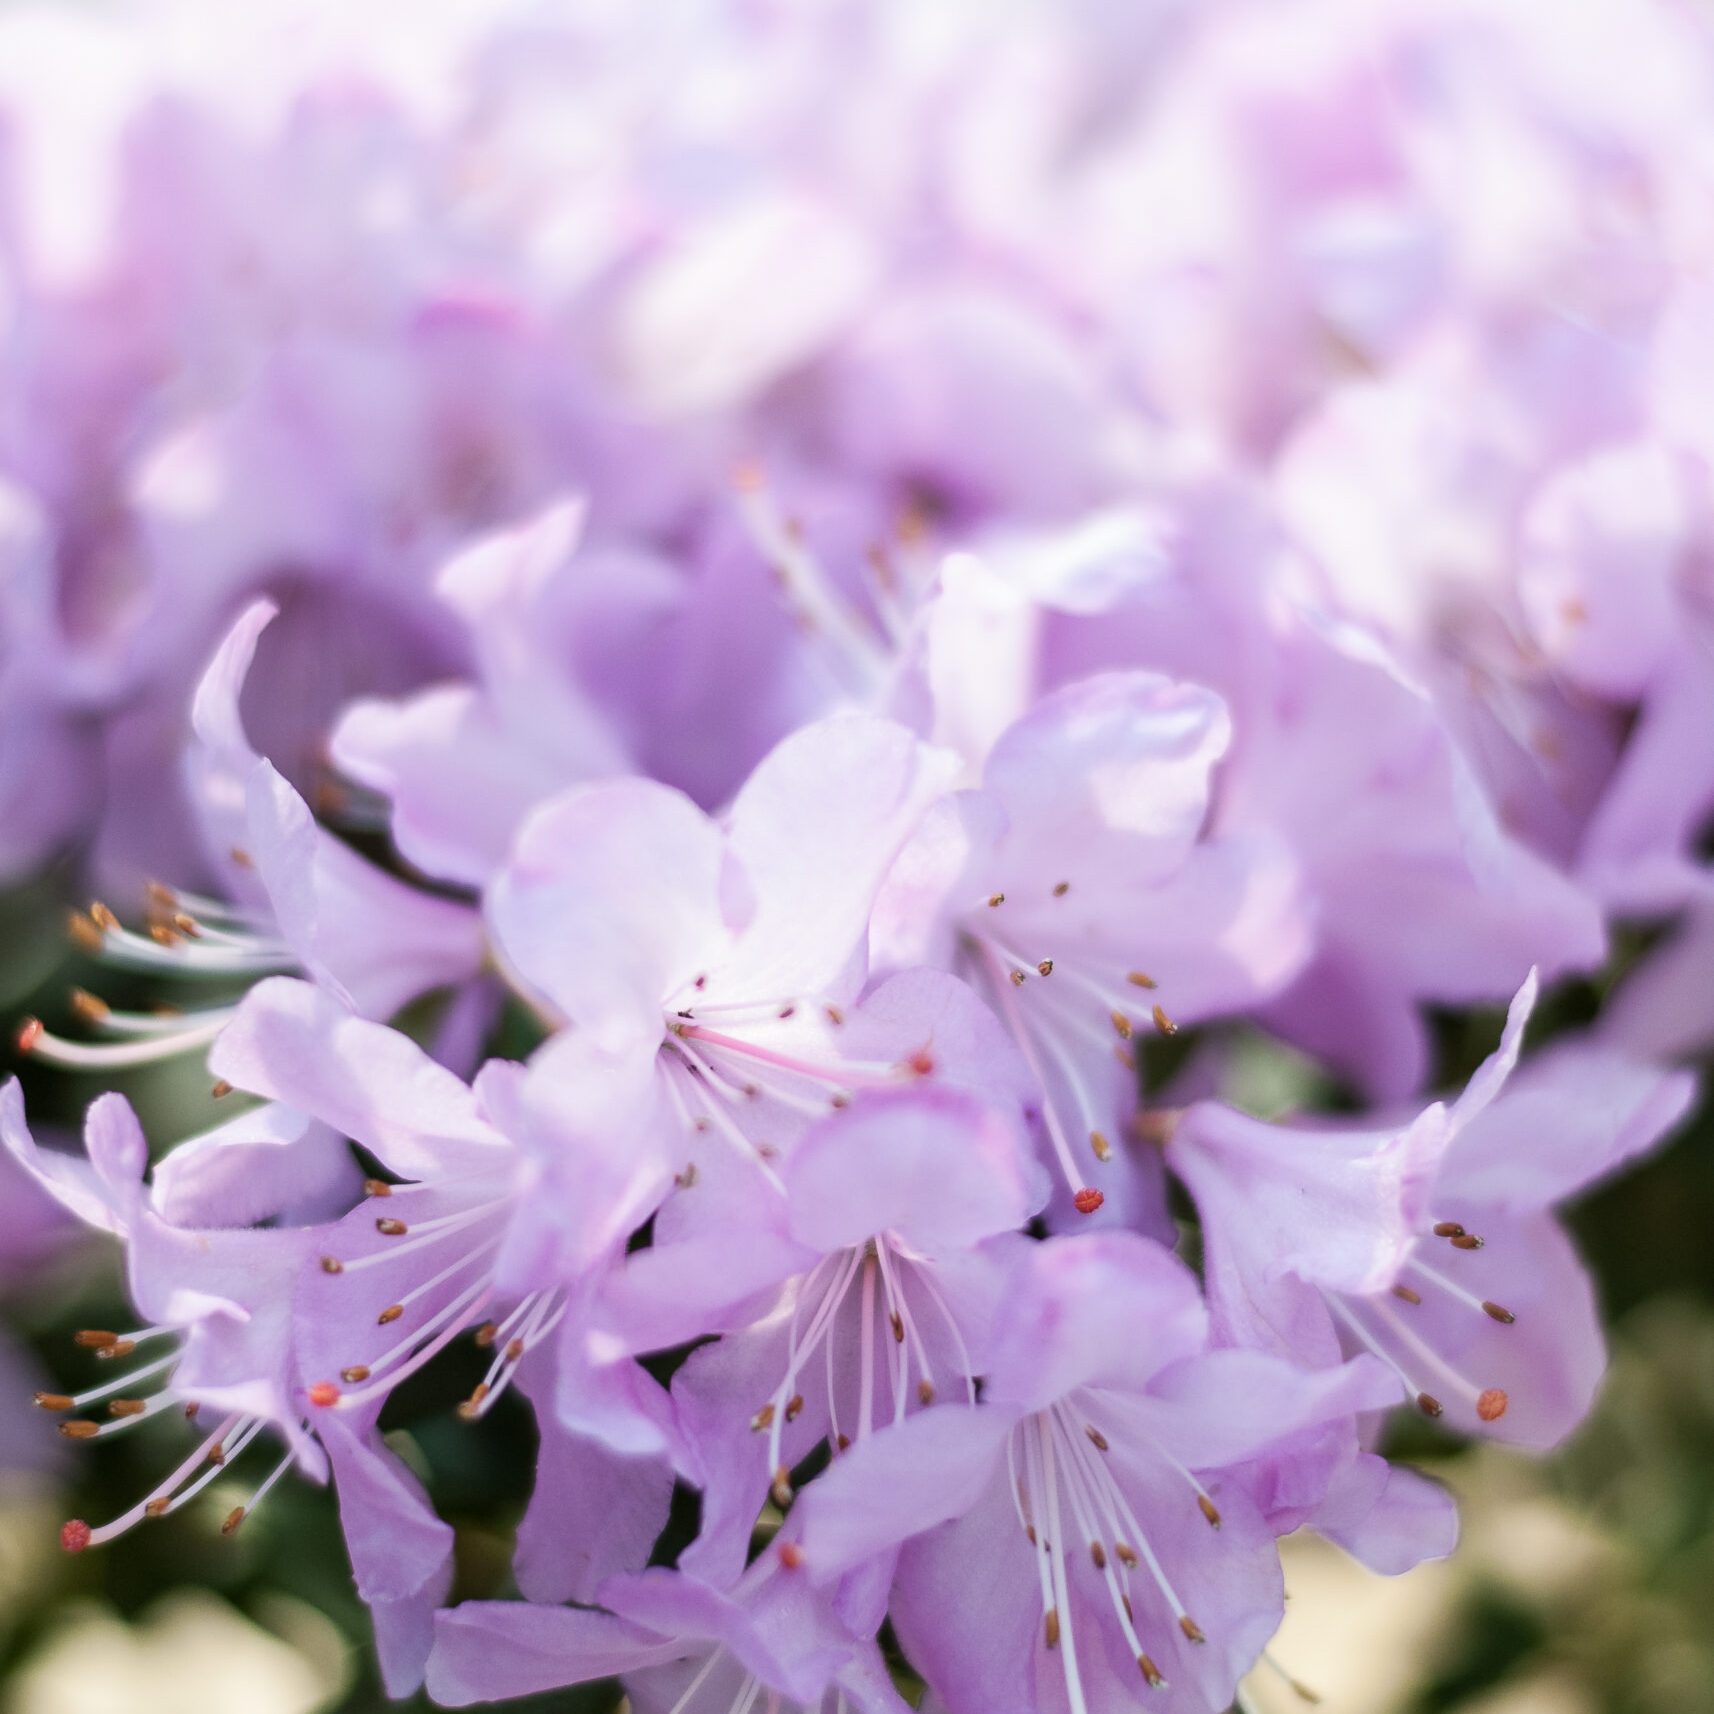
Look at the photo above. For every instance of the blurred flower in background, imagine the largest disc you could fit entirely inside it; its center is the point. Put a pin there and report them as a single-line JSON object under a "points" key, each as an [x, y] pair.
{"points": [[585, 587]]}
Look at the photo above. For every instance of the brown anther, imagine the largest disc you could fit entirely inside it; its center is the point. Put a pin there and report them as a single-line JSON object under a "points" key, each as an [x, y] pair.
{"points": [[1497, 1312], [324, 1393], [844, 1442], [357, 1373], [781, 1487], [1428, 1404], [79, 1429], [514, 1350], [83, 933], [1163, 1023], [921, 1063], [217, 1453], [1096, 1438], [752, 1091], [1151, 1672], [94, 1338], [1103, 1149], [233, 1519], [838, 1102], [127, 1407], [472, 1406], [102, 917], [191, 1408], [685, 1178], [54, 1401], [161, 935], [897, 1322], [1125, 1057], [701, 981], [90, 1007], [1099, 1554], [1209, 1510], [1127, 1554], [764, 1418], [485, 1334], [220, 1089], [1121, 1024], [995, 900], [332, 1265], [1050, 1628], [1492, 1405], [833, 1015], [1030, 1531], [390, 1314], [1191, 1629], [187, 925], [30, 1032], [74, 1535], [1140, 979], [1061, 888], [388, 1227], [1404, 1292], [925, 1392], [791, 1555], [163, 897], [794, 1407], [1467, 1241], [1447, 1229], [157, 1508], [1045, 967], [1018, 978], [241, 857], [377, 1187], [119, 1348], [1087, 1200], [786, 1012]]}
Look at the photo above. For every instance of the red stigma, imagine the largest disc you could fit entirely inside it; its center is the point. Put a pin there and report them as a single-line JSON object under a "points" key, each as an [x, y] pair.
{"points": [[791, 1555], [324, 1393], [921, 1062], [74, 1535], [30, 1031], [1491, 1406], [1087, 1200]]}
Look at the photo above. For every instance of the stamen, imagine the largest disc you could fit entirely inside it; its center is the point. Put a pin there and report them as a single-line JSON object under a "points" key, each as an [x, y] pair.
{"points": [[1163, 1023]]}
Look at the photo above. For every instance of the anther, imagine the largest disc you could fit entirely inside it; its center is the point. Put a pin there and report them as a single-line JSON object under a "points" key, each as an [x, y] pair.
{"points": [[764, 1418], [1099, 1555], [377, 1187], [1405, 1292], [1191, 1629], [925, 1392], [1127, 1555], [1151, 1672], [685, 1179], [332, 1265], [74, 1535], [1447, 1229], [102, 917], [794, 1407], [1018, 978], [1061, 888], [1122, 1024], [90, 1007], [187, 925], [1096, 1438], [94, 1339], [54, 1401], [390, 1314], [1050, 1627], [845, 1443], [356, 1373], [514, 1350], [1140, 979], [157, 1508], [127, 1407], [1087, 1200], [233, 1519], [1492, 1405], [192, 1406], [838, 1102], [897, 1322], [119, 1348], [833, 1015], [995, 900], [781, 1487], [1162, 1022], [388, 1227], [1045, 967], [1103, 1149], [472, 1406], [1428, 1404], [220, 1089], [217, 1453], [160, 895], [30, 1032], [1467, 1241], [323, 1394], [786, 1012], [79, 1429], [1495, 1312], [242, 857], [83, 933]]}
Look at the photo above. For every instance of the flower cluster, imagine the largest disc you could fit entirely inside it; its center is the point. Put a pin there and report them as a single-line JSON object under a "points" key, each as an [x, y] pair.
{"points": [[733, 676]]}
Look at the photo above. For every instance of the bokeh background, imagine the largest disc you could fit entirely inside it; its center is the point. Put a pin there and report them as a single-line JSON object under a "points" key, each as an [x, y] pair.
{"points": [[1585, 1584]]}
